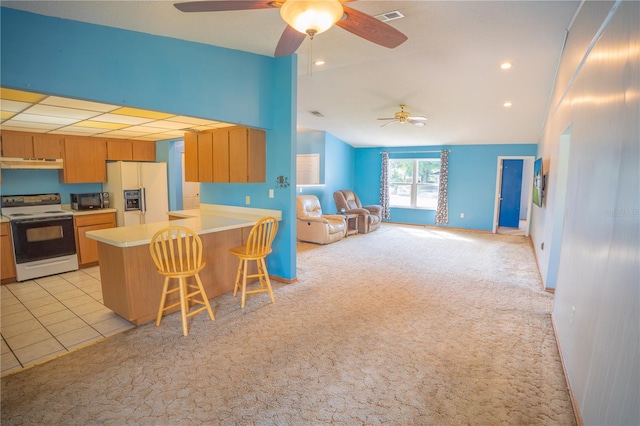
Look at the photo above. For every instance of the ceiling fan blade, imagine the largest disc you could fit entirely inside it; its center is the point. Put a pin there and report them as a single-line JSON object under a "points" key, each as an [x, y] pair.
{"points": [[391, 122], [416, 123], [390, 118], [420, 118], [289, 42], [371, 29], [223, 5]]}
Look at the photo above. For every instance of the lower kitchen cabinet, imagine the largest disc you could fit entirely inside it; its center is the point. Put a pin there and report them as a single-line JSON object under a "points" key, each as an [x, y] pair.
{"points": [[87, 248], [7, 260]]}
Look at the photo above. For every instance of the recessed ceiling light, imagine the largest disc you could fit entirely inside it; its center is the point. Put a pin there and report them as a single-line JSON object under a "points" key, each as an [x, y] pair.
{"points": [[506, 65], [319, 62], [507, 104]]}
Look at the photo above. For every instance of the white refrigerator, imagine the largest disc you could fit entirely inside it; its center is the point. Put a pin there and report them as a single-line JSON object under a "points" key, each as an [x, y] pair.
{"points": [[149, 180]]}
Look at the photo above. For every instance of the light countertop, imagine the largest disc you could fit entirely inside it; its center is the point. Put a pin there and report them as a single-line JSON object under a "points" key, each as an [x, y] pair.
{"points": [[209, 218]]}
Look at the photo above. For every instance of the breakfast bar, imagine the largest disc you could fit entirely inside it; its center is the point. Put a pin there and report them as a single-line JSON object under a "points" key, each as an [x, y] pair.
{"points": [[131, 286]]}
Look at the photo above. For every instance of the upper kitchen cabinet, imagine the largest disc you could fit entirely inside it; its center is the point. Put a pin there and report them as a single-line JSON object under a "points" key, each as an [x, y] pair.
{"points": [[232, 154], [131, 150], [247, 155], [31, 145], [84, 160]]}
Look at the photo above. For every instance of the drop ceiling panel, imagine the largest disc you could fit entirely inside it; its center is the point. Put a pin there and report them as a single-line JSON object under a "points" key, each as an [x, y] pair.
{"points": [[54, 114]]}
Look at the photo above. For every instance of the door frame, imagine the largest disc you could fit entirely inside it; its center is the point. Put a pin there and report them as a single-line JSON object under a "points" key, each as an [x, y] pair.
{"points": [[528, 182]]}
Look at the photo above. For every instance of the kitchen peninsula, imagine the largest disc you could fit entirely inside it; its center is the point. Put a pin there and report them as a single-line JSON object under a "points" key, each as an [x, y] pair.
{"points": [[131, 286]]}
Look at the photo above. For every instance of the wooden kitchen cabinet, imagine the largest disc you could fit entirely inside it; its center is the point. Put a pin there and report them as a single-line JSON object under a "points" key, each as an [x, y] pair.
{"points": [[31, 145], [87, 249], [84, 160], [232, 154], [7, 260], [130, 150], [247, 155]]}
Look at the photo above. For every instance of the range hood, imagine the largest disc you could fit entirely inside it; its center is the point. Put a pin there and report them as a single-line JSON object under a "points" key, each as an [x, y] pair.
{"points": [[30, 163]]}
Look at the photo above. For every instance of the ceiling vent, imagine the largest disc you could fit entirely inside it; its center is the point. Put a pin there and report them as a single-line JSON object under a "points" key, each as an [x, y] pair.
{"points": [[390, 16], [317, 113]]}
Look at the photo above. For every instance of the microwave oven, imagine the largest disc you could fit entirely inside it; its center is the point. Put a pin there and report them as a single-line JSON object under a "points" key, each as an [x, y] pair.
{"points": [[89, 201]]}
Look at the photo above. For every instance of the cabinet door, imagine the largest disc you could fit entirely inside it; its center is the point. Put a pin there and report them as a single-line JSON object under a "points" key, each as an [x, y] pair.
{"points": [[47, 146], [84, 160], [17, 144], [119, 149], [144, 150], [7, 263], [257, 151], [191, 157], [220, 155], [205, 157], [88, 248], [238, 153]]}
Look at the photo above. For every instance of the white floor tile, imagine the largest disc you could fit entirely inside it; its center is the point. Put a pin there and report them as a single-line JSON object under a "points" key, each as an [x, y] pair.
{"points": [[56, 317], [112, 326], [79, 336], [39, 351], [28, 338], [11, 330], [46, 299], [16, 318], [87, 308], [48, 309], [66, 326], [9, 363], [13, 309]]}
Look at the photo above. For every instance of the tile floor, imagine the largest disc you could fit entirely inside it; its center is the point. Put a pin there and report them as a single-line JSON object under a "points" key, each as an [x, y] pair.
{"points": [[44, 318]]}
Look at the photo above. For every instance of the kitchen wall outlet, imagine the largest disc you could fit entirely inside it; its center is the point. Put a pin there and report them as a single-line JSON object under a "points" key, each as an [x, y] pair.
{"points": [[573, 314], [270, 193], [247, 200], [461, 215]]}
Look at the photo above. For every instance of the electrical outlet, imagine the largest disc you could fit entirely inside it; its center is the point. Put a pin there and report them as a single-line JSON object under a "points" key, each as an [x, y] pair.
{"points": [[270, 193], [461, 215], [573, 314], [247, 200]]}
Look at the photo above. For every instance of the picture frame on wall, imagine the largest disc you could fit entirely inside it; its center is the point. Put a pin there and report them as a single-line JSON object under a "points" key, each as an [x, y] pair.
{"points": [[538, 182]]}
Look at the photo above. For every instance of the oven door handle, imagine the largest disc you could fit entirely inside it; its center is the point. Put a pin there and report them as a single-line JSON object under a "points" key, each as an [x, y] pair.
{"points": [[42, 219]]}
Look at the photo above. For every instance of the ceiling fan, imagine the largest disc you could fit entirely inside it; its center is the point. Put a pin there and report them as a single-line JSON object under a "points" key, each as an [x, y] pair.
{"points": [[403, 116], [308, 17]]}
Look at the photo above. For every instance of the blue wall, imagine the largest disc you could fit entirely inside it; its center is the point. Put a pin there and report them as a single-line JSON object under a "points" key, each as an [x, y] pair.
{"points": [[16, 182], [84, 61], [338, 168], [472, 182]]}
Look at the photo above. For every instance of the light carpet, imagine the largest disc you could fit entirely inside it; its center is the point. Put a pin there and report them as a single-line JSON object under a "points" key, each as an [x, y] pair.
{"points": [[402, 326]]}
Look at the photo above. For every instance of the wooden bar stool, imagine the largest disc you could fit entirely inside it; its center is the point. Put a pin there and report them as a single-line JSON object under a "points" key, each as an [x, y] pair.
{"points": [[257, 248], [177, 253]]}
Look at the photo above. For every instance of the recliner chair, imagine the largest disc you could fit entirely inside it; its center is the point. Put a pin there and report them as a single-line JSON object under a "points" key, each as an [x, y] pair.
{"points": [[314, 227], [369, 217]]}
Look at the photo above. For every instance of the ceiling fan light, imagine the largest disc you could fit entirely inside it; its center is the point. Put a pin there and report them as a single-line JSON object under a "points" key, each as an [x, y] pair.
{"points": [[311, 16]]}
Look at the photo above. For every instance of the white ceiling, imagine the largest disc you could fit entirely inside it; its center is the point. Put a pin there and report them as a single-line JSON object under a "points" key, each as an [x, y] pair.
{"points": [[448, 70]]}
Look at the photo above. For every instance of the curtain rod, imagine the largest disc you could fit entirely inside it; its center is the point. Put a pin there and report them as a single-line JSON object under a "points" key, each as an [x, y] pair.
{"points": [[412, 152]]}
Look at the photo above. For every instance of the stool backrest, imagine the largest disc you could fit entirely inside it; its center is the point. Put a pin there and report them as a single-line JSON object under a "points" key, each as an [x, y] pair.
{"points": [[176, 249], [261, 236]]}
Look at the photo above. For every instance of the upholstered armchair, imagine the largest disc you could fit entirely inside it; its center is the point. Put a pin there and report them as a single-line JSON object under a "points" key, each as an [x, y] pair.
{"points": [[314, 227], [369, 217]]}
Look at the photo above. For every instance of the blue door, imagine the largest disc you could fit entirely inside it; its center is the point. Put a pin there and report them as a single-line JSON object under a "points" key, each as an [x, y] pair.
{"points": [[510, 192]]}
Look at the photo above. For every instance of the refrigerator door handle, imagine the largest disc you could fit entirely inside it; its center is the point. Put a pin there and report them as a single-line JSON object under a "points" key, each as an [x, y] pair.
{"points": [[143, 201]]}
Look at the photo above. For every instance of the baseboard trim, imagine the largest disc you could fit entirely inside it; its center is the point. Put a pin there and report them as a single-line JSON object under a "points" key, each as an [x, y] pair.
{"points": [[574, 402], [283, 280], [441, 228]]}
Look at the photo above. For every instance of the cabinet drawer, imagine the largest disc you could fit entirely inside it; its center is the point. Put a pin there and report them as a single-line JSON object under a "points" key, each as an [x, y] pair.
{"points": [[95, 219]]}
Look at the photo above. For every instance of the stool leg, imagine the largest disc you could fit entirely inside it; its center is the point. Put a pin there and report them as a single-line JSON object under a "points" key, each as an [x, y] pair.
{"points": [[162, 300], [204, 297], [266, 278], [244, 282], [237, 286], [183, 305]]}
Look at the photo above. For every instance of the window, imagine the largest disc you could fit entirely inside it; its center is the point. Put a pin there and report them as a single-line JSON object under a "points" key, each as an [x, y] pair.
{"points": [[413, 183]]}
